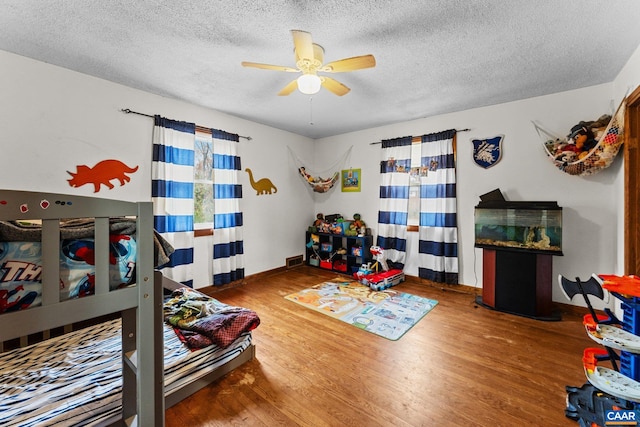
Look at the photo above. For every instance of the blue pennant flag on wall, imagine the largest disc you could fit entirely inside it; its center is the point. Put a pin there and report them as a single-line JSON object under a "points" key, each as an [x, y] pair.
{"points": [[487, 152]]}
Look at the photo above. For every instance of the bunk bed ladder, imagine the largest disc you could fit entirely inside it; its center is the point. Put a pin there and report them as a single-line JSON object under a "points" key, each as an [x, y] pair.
{"points": [[142, 338]]}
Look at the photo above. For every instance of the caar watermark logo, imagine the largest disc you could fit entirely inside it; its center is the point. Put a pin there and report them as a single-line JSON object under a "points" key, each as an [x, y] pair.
{"points": [[621, 417]]}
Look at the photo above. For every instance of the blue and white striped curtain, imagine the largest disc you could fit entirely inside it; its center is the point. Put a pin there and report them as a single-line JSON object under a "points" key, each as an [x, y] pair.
{"points": [[394, 199], [228, 246], [172, 193], [438, 244]]}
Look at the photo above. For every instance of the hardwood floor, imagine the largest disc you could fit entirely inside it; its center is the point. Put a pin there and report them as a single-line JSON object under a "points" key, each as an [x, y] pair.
{"points": [[461, 365]]}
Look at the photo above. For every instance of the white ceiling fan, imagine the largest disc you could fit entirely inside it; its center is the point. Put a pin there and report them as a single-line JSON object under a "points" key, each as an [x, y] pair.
{"points": [[309, 61]]}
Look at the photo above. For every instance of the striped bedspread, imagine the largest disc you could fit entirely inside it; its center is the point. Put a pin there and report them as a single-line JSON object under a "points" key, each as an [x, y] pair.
{"points": [[75, 380]]}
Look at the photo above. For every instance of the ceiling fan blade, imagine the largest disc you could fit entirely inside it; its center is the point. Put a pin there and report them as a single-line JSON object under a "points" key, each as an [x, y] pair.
{"points": [[270, 67], [334, 86], [303, 45], [350, 64], [289, 88]]}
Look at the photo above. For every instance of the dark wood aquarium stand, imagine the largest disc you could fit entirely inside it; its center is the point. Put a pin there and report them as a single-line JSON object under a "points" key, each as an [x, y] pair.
{"points": [[518, 240], [518, 282]]}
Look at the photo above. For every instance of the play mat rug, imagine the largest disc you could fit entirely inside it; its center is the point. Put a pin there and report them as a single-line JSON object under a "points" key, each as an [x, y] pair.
{"points": [[387, 313]]}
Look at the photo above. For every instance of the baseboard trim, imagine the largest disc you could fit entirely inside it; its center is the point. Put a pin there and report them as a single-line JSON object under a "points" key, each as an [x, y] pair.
{"points": [[465, 289], [247, 280]]}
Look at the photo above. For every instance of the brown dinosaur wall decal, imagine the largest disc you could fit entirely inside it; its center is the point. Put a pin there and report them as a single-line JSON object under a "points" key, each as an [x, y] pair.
{"points": [[262, 186], [102, 173]]}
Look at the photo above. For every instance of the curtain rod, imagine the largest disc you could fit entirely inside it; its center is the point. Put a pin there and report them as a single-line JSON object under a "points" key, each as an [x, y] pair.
{"points": [[128, 111], [457, 130]]}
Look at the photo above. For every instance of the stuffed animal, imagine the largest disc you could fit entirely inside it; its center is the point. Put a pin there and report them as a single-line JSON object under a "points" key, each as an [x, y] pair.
{"points": [[585, 135], [583, 140], [359, 224], [357, 221], [325, 227], [319, 220], [566, 157], [598, 127], [351, 230]]}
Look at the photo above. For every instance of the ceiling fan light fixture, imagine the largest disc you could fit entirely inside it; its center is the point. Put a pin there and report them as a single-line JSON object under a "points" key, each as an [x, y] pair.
{"points": [[309, 61], [309, 84]]}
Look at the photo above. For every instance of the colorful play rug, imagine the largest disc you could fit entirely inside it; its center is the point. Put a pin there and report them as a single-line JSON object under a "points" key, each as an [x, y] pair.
{"points": [[387, 313]]}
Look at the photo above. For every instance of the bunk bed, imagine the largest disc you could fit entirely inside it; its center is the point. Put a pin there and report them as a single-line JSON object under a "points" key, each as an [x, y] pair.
{"points": [[142, 365]]}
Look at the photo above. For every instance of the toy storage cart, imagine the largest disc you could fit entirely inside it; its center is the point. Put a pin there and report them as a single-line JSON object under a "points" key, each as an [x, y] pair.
{"points": [[616, 389]]}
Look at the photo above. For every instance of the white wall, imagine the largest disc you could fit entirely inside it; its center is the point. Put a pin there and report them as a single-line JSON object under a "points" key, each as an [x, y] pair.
{"points": [[590, 204], [629, 77], [52, 119]]}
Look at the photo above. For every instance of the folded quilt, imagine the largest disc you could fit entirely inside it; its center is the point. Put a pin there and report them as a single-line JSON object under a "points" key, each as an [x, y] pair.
{"points": [[200, 320]]}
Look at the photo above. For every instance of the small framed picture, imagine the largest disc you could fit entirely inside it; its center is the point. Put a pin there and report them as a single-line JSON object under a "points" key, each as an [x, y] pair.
{"points": [[351, 180]]}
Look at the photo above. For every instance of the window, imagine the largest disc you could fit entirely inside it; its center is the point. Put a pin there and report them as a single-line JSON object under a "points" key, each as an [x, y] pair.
{"points": [[203, 197], [415, 174]]}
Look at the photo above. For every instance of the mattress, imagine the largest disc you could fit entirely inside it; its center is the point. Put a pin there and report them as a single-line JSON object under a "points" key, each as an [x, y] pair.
{"points": [[75, 379]]}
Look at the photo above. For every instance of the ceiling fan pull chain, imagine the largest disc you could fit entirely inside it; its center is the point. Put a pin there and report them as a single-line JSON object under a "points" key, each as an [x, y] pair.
{"points": [[311, 110]]}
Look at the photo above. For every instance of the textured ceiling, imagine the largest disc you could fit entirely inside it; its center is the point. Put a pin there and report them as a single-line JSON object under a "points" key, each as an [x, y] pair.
{"points": [[433, 56]]}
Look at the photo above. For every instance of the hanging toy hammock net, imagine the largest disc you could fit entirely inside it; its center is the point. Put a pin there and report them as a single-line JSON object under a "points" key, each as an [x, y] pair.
{"points": [[318, 183], [602, 139], [322, 181]]}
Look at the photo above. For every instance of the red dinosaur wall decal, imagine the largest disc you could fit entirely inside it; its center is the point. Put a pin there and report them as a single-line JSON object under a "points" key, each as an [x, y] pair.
{"points": [[102, 173]]}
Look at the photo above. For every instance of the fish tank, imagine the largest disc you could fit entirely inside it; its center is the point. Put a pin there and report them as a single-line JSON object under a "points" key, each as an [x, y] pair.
{"points": [[519, 226]]}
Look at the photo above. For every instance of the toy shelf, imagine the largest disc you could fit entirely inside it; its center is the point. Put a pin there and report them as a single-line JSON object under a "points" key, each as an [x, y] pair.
{"points": [[337, 252]]}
